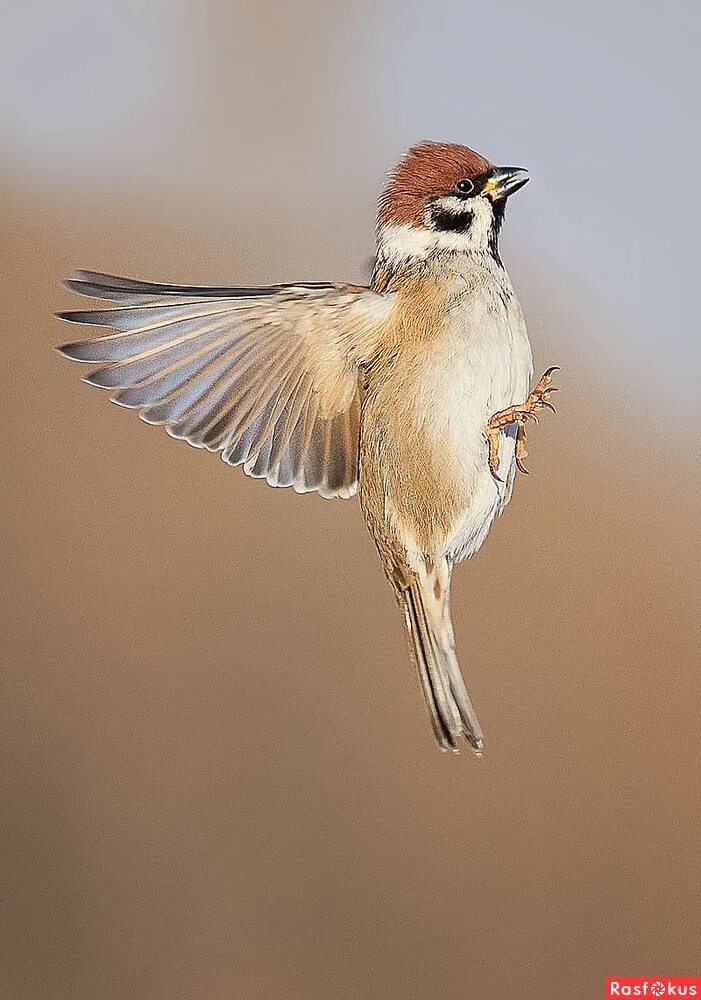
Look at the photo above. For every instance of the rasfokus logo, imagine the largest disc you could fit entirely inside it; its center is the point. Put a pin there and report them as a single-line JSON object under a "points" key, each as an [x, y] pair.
{"points": [[653, 986]]}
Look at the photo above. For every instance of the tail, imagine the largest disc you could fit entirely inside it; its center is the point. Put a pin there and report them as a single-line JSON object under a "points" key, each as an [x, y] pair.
{"points": [[427, 606]]}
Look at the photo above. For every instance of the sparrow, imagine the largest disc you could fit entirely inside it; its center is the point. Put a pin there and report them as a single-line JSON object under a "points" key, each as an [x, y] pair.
{"points": [[412, 391]]}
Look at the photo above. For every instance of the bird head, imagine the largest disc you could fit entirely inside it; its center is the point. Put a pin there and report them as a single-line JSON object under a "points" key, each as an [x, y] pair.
{"points": [[444, 197]]}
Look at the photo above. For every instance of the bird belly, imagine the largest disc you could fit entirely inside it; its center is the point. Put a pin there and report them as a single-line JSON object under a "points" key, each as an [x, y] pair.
{"points": [[428, 445], [425, 481], [465, 387]]}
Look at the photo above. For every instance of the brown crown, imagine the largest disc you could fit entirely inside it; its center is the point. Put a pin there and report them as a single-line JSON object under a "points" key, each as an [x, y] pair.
{"points": [[425, 171]]}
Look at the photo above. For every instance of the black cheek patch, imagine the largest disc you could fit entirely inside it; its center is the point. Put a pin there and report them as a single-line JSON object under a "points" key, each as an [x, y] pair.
{"points": [[451, 222]]}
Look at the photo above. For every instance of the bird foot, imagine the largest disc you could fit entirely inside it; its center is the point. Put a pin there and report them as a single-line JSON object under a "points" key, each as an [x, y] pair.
{"points": [[538, 400]]}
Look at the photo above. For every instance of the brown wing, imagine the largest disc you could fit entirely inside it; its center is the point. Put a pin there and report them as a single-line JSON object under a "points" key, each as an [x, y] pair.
{"points": [[267, 376]]}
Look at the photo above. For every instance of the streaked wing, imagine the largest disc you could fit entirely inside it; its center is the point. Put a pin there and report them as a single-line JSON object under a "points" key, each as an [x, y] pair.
{"points": [[267, 376]]}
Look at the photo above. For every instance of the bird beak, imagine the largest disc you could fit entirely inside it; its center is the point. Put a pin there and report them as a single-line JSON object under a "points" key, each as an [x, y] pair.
{"points": [[503, 181]]}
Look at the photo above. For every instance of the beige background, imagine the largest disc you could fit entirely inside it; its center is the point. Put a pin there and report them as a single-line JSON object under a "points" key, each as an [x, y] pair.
{"points": [[218, 777]]}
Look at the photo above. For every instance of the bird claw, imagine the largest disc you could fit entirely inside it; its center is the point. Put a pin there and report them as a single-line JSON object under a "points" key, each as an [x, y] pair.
{"points": [[520, 415], [493, 440]]}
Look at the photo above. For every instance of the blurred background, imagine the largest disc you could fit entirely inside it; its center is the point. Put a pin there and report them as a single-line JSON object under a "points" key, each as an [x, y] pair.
{"points": [[218, 778]]}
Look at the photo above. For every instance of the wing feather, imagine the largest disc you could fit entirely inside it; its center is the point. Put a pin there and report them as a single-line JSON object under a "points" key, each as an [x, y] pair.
{"points": [[267, 376]]}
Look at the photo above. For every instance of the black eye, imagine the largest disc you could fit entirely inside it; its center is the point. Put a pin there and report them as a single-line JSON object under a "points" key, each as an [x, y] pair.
{"points": [[464, 186]]}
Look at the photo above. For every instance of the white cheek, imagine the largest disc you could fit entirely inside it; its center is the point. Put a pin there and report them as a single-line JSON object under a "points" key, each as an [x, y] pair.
{"points": [[482, 224], [404, 242], [476, 237]]}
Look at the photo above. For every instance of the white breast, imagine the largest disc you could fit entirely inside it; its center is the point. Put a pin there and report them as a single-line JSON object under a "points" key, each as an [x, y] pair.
{"points": [[481, 364]]}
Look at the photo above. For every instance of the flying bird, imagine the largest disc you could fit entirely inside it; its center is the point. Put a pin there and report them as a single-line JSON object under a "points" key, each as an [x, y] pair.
{"points": [[413, 392]]}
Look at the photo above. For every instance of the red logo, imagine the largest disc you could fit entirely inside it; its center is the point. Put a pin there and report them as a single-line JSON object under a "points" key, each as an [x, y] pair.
{"points": [[653, 986]]}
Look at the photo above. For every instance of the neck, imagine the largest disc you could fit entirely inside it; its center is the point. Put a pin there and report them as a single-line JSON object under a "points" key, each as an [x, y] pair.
{"points": [[407, 248], [403, 244], [393, 269]]}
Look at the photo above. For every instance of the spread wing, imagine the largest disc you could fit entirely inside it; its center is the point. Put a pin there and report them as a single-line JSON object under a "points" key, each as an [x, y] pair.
{"points": [[267, 376]]}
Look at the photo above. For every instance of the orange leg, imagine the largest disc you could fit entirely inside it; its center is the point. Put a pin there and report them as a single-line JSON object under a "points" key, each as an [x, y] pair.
{"points": [[538, 400]]}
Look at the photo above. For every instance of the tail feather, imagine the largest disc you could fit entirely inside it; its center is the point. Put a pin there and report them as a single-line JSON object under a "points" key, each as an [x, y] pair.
{"points": [[428, 618]]}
